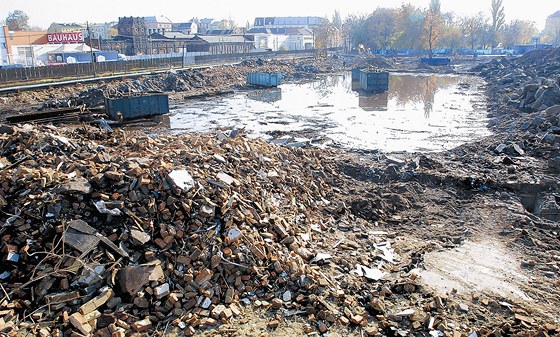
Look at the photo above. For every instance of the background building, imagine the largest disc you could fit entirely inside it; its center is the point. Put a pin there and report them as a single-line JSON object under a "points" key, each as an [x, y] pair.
{"points": [[66, 28], [287, 21], [4, 55], [204, 25], [17, 47], [104, 31], [275, 39], [160, 24], [552, 29], [133, 30], [185, 28]]}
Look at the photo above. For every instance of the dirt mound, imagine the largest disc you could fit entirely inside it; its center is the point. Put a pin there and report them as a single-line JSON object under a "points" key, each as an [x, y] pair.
{"points": [[540, 57]]}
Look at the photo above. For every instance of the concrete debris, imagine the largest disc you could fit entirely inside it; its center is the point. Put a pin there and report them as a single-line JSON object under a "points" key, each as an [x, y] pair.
{"points": [[370, 273], [182, 179], [126, 232]]}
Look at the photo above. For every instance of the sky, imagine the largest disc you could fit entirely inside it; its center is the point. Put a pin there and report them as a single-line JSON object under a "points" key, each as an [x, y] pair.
{"points": [[42, 13]]}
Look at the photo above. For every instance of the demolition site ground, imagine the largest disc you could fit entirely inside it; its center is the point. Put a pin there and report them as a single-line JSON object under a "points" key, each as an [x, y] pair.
{"points": [[135, 231]]}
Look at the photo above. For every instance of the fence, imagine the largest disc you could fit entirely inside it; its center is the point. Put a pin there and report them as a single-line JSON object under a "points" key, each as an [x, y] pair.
{"points": [[31, 75]]}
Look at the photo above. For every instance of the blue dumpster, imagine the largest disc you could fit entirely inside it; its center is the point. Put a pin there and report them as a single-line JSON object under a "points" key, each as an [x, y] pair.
{"points": [[264, 79], [374, 82], [356, 74], [134, 107]]}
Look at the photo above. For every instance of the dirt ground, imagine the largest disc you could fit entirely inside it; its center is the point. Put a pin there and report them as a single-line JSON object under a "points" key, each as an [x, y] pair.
{"points": [[459, 243]]}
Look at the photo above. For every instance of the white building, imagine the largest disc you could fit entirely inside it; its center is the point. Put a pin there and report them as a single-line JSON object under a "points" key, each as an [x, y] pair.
{"points": [[160, 24], [204, 25], [277, 39], [287, 21], [187, 28], [101, 30], [4, 54]]}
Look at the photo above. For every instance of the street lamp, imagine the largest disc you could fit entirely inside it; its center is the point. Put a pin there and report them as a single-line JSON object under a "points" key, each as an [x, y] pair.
{"points": [[91, 50]]}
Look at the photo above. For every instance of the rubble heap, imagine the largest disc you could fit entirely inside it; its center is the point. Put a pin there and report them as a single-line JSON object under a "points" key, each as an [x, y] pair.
{"points": [[179, 83], [152, 229], [114, 233], [525, 100]]}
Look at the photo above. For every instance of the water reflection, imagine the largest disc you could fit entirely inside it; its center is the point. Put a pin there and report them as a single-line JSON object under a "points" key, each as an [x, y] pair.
{"points": [[328, 85], [265, 95], [374, 102], [418, 113], [406, 89]]}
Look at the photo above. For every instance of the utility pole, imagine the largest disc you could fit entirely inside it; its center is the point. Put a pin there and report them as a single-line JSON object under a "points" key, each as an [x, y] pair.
{"points": [[91, 50], [184, 54]]}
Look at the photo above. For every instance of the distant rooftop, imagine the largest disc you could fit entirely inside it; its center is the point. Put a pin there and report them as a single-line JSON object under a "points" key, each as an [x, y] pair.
{"points": [[222, 39], [67, 24], [153, 19], [287, 21], [177, 35], [555, 15], [280, 31]]}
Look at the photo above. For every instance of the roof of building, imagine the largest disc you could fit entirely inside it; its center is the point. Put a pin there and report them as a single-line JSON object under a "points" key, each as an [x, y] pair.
{"points": [[159, 19], [185, 25], [177, 35], [223, 38], [206, 21], [288, 20], [67, 24], [555, 15], [280, 31], [219, 32]]}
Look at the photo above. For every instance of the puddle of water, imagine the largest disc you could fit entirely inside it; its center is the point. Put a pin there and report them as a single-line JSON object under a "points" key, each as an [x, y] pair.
{"points": [[418, 113], [482, 267]]}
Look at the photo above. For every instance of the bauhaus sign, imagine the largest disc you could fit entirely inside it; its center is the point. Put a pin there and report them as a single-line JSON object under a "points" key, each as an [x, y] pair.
{"points": [[66, 37]]}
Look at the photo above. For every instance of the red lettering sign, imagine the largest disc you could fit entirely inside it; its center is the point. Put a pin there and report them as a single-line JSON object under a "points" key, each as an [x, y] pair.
{"points": [[66, 37]]}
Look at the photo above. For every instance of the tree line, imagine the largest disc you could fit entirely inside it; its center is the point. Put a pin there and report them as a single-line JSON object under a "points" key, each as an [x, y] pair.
{"points": [[412, 27], [404, 27]]}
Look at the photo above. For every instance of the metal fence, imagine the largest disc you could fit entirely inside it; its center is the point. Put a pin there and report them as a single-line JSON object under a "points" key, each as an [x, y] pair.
{"points": [[79, 70], [30, 75]]}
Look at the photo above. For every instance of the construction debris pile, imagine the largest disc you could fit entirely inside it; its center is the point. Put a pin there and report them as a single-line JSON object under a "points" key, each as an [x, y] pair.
{"points": [[527, 88], [134, 233], [114, 233], [108, 233], [183, 83]]}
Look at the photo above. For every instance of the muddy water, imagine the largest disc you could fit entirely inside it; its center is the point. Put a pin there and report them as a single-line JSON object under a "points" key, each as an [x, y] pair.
{"points": [[418, 113]]}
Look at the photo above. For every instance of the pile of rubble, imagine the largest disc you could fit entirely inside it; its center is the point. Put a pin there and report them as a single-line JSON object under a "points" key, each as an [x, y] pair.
{"points": [[179, 83], [150, 227], [525, 100], [114, 233], [108, 232], [127, 233]]}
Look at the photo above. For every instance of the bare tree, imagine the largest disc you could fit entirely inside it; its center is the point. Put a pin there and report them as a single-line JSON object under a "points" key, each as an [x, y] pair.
{"points": [[17, 20], [337, 20], [473, 29], [519, 31], [354, 31], [326, 35], [498, 20], [432, 26]]}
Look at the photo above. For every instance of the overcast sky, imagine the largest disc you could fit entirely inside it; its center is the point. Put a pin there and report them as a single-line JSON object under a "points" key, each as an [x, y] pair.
{"points": [[43, 12]]}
